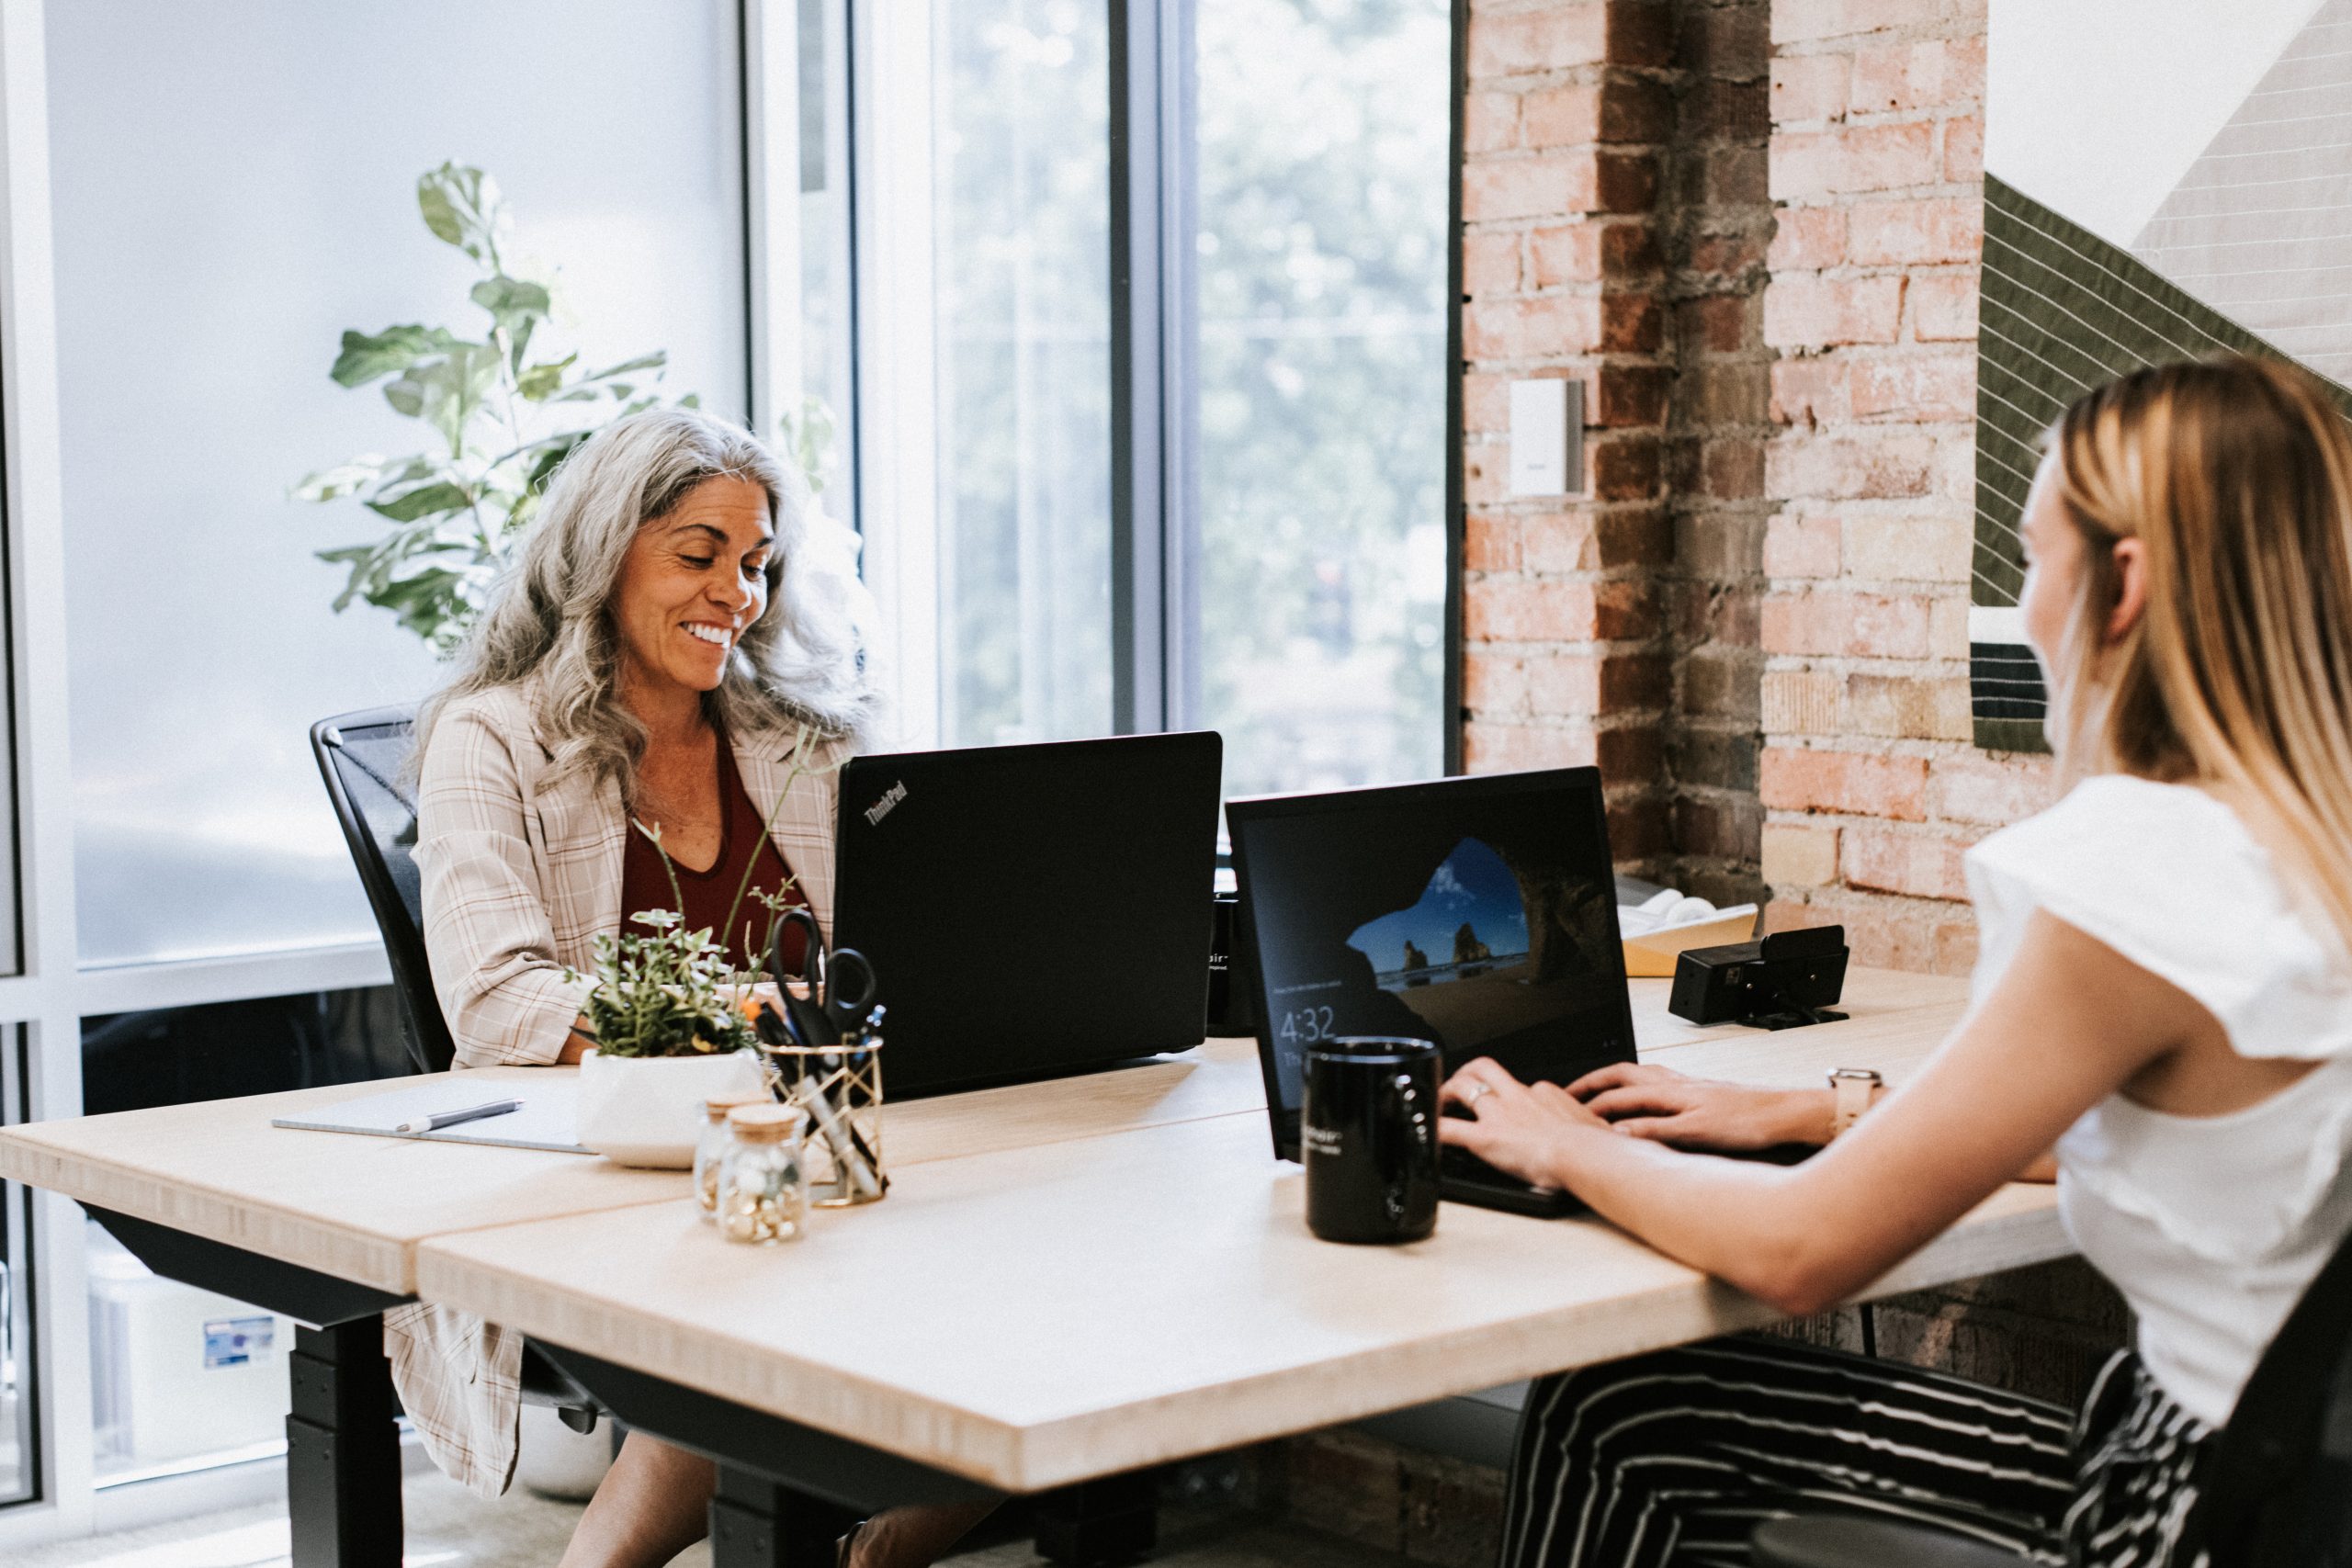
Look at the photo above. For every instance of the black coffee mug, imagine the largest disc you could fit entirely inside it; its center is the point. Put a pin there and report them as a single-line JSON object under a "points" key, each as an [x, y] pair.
{"points": [[1368, 1135]]}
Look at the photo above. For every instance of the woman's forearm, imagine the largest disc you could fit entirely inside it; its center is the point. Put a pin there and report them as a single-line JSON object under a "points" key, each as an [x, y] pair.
{"points": [[1744, 1222]]}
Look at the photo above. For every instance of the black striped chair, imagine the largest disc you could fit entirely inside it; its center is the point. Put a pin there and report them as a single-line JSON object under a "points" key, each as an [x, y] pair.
{"points": [[2279, 1480]]}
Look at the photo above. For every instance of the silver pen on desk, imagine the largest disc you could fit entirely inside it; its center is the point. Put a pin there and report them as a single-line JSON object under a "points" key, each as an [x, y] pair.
{"points": [[452, 1118]]}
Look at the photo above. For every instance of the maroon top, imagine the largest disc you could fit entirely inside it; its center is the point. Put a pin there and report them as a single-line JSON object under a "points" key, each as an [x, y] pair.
{"points": [[707, 893]]}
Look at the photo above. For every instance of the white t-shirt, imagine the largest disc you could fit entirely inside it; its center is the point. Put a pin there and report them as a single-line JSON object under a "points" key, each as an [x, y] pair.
{"points": [[2212, 1226]]}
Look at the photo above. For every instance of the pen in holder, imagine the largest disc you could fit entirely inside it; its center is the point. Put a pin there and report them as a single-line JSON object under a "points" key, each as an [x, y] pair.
{"points": [[824, 1050], [840, 1088]]}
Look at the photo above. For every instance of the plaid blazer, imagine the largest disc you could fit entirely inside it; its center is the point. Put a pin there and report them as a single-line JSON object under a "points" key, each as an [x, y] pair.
{"points": [[520, 874]]}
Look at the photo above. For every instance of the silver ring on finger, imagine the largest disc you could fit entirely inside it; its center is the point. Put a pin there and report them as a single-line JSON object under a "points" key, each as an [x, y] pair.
{"points": [[1476, 1092]]}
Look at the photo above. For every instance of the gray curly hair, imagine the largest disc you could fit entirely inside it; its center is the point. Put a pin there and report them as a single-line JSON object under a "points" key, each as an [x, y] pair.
{"points": [[550, 615]]}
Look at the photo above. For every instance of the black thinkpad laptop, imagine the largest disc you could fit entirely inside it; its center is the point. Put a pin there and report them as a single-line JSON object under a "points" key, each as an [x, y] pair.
{"points": [[1031, 909], [1480, 913]]}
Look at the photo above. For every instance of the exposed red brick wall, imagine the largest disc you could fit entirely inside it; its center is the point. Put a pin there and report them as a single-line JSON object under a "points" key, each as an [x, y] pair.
{"points": [[1870, 785], [1615, 220], [1752, 231], [1564, 660], [1715, 223]]}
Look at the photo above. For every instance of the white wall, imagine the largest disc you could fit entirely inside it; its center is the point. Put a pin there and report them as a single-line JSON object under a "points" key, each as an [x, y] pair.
{"points": [[2095, 108], [234, 186]]}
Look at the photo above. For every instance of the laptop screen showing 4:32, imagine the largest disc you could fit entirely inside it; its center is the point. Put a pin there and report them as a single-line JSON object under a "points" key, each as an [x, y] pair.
{"points": [[1480, 913]]}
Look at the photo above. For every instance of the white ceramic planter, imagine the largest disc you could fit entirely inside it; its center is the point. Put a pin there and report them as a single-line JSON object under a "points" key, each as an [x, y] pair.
{"points": [[647, 1110]]}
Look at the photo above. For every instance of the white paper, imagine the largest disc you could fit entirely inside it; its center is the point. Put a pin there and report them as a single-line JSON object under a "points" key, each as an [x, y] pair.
{"points": [[547, 1120]]}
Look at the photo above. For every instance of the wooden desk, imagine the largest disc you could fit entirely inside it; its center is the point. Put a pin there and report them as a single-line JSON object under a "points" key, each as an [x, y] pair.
{"points": [[1031, 1317], [356, 1207], [1070, 1280], [324, 1227]]}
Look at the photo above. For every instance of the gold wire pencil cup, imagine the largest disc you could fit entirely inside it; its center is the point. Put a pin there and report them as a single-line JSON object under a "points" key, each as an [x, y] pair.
{"points": [[840, 1089]]}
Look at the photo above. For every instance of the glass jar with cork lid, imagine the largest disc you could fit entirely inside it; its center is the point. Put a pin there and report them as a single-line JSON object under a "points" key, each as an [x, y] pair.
{"points": [[712, 1142], [762, 1191]]}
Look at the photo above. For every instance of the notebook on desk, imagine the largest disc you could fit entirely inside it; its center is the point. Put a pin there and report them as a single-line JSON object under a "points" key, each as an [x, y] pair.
{"points": [[548, 1118]]}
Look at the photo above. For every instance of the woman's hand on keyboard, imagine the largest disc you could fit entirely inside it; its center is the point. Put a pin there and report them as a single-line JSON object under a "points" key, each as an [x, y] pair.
{"points": [[1645, 1101], [1513, 1126]]}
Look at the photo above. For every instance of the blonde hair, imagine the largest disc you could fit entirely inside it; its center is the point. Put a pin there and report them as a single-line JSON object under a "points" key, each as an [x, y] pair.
{"points": [[550, 618], [2235, 475]]}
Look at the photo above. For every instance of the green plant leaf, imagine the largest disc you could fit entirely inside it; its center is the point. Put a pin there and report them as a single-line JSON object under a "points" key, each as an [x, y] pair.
{"points": [[425, 500], [343, 478], [653, 361], [462, 207], [395, 348], [515, 307], [541, 382], [445, 392]]}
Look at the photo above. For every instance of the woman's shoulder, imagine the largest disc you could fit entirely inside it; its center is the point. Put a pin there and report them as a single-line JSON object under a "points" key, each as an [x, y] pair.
{"points": [[2171, 877], [2112, 812], [2128, 848], [492, 719], [505, 707]]}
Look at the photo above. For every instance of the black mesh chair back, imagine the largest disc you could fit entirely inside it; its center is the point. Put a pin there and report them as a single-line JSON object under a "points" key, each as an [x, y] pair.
{"points": [[2277, 1492], [364, 758]]}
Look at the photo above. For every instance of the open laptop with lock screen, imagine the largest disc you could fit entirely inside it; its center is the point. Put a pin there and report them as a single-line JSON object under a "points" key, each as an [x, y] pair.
{"points": [[1480, 913]]}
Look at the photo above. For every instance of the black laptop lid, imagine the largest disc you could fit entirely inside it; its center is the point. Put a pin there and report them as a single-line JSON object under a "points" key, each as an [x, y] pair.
{"points": [[1477, 912], [1031, 909]]}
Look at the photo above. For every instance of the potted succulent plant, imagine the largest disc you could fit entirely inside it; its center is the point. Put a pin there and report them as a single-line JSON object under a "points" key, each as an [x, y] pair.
{"points": [[670, 1032], [672, 1013]]}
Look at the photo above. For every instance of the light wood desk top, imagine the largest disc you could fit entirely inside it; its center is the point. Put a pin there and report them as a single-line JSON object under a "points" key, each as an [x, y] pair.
{"points": [[357, 1207], [1036, 1315], [350, 1206]]}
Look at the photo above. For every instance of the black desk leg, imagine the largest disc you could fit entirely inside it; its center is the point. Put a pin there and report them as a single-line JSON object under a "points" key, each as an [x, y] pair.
{"points": [[755, 1523], [1098, 1524], [343, 1451]]}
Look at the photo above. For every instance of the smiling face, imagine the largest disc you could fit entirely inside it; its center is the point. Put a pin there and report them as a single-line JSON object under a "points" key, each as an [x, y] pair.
{"points": [[695, 579]]}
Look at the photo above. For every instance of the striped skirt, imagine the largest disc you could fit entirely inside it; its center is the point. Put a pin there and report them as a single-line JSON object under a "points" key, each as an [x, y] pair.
{"points": [[1668, 1461]]}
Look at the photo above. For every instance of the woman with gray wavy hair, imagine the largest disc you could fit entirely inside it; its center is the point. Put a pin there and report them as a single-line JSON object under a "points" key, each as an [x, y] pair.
{"points": [[667, 651]]}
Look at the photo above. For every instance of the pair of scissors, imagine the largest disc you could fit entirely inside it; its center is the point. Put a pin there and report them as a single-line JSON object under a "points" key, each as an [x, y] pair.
{"points": [[832, 1007]]}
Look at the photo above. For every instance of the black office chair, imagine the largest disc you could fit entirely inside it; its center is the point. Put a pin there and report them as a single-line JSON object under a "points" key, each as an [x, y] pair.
{"points": [[2278, 1489], [364, 758]]}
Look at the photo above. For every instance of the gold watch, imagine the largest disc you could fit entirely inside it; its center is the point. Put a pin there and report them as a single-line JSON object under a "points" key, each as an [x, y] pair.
{"points": [[1853, 1090]]}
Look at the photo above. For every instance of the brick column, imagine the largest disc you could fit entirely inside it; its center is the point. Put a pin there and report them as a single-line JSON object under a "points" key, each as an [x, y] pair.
{"points": [[1871, 787], [1715, 222], [1564, 660], [1615, 220]]}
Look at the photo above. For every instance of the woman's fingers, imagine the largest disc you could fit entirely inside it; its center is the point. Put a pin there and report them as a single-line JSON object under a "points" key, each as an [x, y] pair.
{"points": [[1639, 1099], [1475, 1081], [1617, 1075]]}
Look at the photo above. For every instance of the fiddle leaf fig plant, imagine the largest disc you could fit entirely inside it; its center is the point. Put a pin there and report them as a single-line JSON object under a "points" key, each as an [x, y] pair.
{"points": [[498, 421]]}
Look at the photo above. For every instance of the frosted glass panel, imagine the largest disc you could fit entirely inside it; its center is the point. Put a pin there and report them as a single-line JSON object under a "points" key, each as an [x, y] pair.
{"points": [[1022, 216], [1321, 253], [234, 187]]}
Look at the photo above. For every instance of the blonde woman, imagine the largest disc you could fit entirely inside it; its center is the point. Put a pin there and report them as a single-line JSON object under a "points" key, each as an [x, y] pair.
{"points": [[2163, 1011], [665, 649]]}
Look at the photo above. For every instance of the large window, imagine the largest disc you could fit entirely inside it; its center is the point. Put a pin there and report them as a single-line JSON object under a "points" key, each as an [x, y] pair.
{"points": [[1183, 269], [1021, 165], [1122, 319], [208, 257], [1322, 164]]}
